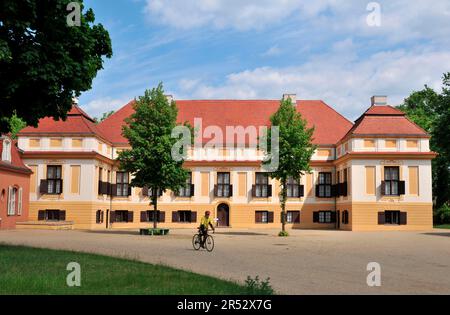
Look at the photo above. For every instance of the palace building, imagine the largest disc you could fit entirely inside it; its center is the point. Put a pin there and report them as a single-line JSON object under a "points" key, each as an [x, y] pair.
{"points": [[374, 174]]}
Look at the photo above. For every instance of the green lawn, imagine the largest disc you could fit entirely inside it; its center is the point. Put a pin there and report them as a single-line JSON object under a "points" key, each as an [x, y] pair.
{"points": [[444, 226], [26, 270]]}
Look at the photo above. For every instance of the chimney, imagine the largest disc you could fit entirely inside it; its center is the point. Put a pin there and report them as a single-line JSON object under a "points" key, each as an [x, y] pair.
{"points": [[169, 99], [379, 100], [293, 98]]}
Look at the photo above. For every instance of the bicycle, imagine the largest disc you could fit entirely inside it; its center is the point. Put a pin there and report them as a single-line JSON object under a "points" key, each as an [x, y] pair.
{"points": [[197, 242]]}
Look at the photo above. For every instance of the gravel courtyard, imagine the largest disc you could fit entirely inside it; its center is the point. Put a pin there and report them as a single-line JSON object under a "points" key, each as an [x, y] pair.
{"points": [[308, 262]]}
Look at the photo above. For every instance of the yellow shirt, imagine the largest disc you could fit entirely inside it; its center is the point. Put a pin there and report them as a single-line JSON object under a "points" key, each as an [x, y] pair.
{"points": [[206, 221]]}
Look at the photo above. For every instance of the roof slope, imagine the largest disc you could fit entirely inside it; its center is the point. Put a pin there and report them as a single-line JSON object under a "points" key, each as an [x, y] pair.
{"points": [[77, 122], [16, 160], [329, 125], [385, 120]]}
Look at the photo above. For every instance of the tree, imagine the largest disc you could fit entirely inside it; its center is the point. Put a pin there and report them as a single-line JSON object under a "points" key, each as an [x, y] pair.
{"points": [[149, 133], [295, 149], [104, 116], [44, 62]]}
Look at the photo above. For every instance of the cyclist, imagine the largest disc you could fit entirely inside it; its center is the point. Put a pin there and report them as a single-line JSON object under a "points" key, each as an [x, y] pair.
{"points": [[205, 223]]}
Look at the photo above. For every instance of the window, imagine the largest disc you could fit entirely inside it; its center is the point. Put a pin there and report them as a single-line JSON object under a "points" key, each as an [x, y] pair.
{"points": [[149, 216], [345, 217], [6, 153], [223, 185], [99, 216], [391, 181], [185, 216], [19, 201], [12, 195], [324, 217], [262, 217], [261, 189], [293, 217], [293, 188], [122, 181], [324, 186], [123, 216], [392, 217], [54, 182], [185, 191], [52, 215]]}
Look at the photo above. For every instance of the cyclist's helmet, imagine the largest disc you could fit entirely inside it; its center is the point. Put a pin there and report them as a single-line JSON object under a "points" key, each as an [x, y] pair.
{"points": [[207, 213]]}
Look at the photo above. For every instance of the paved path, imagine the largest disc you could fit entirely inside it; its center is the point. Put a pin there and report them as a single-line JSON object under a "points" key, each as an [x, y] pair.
{"points": [[308, 262]]}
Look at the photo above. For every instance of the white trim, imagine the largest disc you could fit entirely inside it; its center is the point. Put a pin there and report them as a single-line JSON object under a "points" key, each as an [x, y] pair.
{"points": [[6, 152], [19, 201]]}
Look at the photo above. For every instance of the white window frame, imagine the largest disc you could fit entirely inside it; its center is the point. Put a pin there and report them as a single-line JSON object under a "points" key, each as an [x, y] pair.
{"points": [[6, 153], [19, 201], [11, 201]]}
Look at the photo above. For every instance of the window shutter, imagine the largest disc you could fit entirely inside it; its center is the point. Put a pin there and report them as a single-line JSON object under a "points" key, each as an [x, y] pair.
{"points": [[254, 191], [345, 189], [130, 216], [129, 190], [192, 190], [383, 188], [317, 192], [335, 190], [315, 217], [258, 217], [114, 190], [41, 215], [231, 190], [301, 191], [144, 216], [193, 217], [60, 190], [269, 190], [62, 215], [381, 218], [296, 215], [97, 217], [403, 218], [102, 213], [215, 190], [162, 216], [401, 187], [19, 202], [112, 217], [333, 217], [43, 187], [270, 217], [175, 216]]}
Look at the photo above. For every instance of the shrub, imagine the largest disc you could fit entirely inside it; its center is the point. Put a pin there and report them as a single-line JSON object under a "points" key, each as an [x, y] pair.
{"points": [[283, 234], [258, 287], [442, 215]]}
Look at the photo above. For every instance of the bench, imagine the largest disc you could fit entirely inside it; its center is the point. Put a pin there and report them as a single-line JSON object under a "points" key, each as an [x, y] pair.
{"points": [[154, 231]]}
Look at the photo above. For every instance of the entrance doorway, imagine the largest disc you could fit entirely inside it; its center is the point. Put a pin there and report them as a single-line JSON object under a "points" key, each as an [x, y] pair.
{"points": [[223, 214]]}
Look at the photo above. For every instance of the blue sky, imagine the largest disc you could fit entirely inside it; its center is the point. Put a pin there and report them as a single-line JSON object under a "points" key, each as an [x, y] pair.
{"points": [[258, 49]]}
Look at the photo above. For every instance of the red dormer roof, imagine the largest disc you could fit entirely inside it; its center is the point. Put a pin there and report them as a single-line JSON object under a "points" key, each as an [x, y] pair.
{"points": [[385, 121], [77, 123], [16, 160], [329, 125]]}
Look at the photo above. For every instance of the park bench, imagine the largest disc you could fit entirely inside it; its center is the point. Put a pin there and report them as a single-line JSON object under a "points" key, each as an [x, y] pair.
{"points": [[154, 231]]}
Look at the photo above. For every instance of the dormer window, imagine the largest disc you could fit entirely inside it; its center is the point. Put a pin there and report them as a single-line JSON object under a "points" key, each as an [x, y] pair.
{"points": [[6, 152]]}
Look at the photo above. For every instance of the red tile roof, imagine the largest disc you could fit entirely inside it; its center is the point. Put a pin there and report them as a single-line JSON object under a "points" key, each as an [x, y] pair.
{"points": [[16, 160], [329, 125], [77, 122], [385, 120]]}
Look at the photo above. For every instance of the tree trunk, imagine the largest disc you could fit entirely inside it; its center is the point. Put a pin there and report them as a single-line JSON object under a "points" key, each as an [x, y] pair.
{"points": [[155, 207], [283, 204]]}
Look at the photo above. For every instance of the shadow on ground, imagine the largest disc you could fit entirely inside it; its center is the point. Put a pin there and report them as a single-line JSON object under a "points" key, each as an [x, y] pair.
{"points": [[114, 232], [241, 233]]}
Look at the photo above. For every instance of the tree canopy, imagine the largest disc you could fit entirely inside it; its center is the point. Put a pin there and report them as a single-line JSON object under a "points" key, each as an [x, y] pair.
{"points": [[44, 62]]}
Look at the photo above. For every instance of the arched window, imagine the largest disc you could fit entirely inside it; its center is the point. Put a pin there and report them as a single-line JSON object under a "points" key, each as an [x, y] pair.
{"points": [[6, 153]]}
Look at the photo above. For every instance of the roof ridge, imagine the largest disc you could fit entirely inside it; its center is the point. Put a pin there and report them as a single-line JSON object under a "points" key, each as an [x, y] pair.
{"points": [[337, 112]]}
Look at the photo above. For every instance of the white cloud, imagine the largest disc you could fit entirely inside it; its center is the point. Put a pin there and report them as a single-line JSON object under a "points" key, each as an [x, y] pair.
{"points": [[272, 51], [344, 83], [97, 107]]}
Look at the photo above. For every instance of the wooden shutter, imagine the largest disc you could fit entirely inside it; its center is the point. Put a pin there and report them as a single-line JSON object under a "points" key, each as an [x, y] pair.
{"points": [[334, 190], [161, 216], [231, 190], [215, 190], [254, 191], [43, 187], [317, 192], [270, 217], [401, 187], [41, 215], [175, 216], [258, 217], [301, 191], [269, 190], [315, 217], [112, 217], [97, 217], [62, 215], [383, 189], [130, 216], [192, 190], [381, 218], [114, 190], [344, 189], [333, 217], [403, 218], [144, 216], [296, 216], [102, 213], [129, 190], [193, 217]]}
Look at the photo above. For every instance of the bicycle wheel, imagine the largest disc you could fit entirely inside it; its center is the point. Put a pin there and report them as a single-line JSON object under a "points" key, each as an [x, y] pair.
{"points": [[196, 241], [209, 244]]}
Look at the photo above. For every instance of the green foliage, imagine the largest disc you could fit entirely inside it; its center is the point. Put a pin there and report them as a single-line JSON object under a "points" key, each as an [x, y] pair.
{"points": [[44, 62], [15, 124], [283, 234], [295, 148], [442, 215], [149, 133], [104, 116], [258, 287]]}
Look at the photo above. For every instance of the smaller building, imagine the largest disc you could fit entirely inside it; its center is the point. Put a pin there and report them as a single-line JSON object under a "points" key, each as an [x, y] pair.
{"points": [[14, 185]]}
